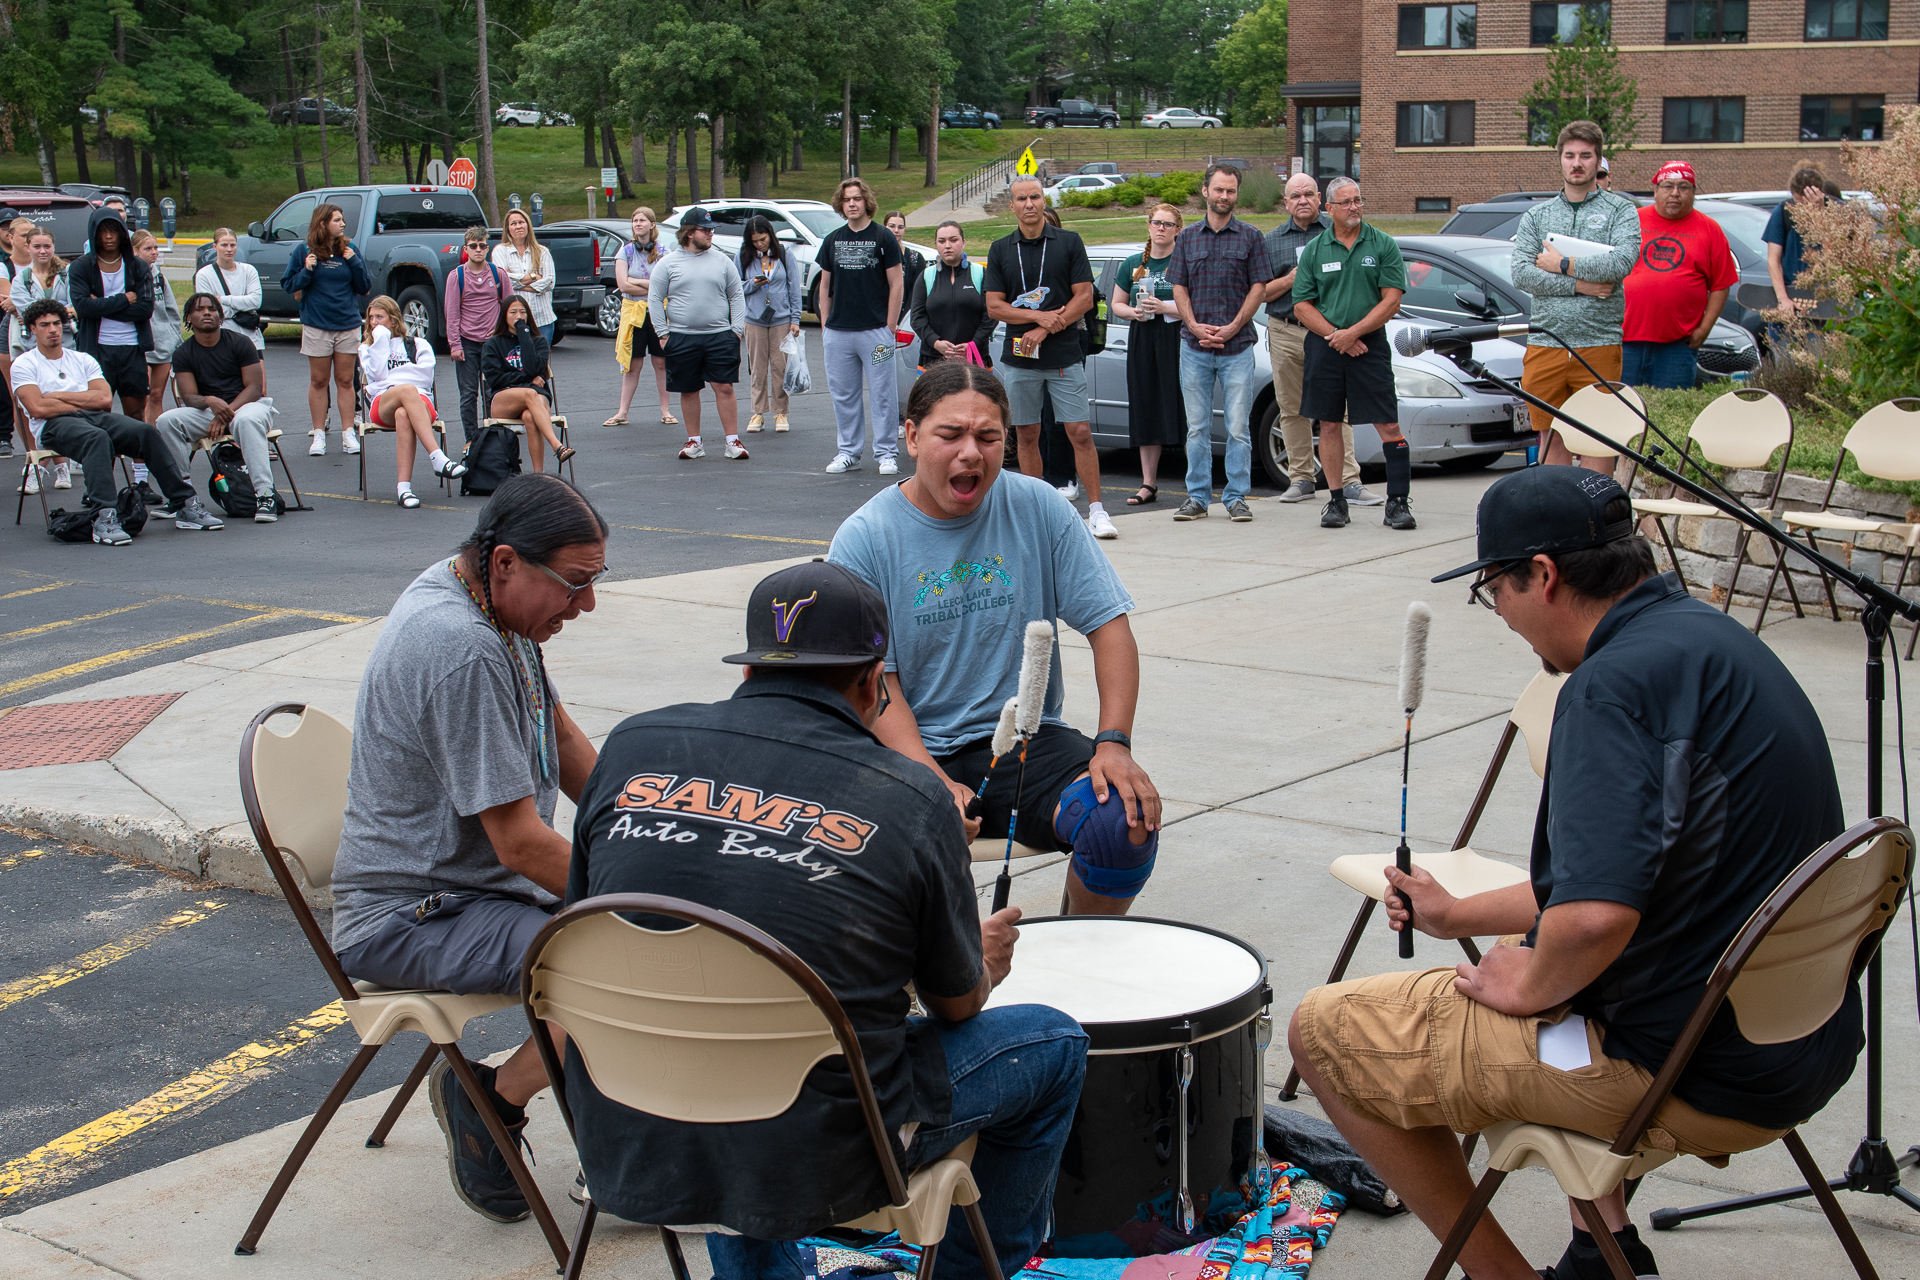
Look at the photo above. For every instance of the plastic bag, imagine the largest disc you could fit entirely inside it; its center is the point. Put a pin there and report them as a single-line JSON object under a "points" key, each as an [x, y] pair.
{"points": [[799, 378], [1308, 1141]]}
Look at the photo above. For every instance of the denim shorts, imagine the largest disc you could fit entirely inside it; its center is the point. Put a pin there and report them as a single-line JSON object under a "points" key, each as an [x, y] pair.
{"points": [[466, 943], [1067, 386]]}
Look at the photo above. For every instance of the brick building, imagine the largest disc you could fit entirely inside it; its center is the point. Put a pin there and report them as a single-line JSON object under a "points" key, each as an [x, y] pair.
{"points": [[1421, 101]]}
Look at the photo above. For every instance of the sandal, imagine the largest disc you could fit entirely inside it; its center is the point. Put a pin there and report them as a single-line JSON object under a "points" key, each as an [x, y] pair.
{"points": [[409, 499], [617, 421], [1137, 501], [561, 454], [668, 420]]}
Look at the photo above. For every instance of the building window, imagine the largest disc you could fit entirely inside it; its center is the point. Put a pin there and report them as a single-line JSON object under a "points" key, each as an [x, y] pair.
{"points": [[1860, 118], [1435, 124], [1561, 22], [1846, 19], [1704, 120], [1438, 26], [1706, 21], [1433, 204]]}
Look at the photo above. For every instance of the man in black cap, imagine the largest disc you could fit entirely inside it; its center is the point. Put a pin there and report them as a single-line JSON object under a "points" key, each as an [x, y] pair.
{"points": [[779, 806], [1687, 776]]}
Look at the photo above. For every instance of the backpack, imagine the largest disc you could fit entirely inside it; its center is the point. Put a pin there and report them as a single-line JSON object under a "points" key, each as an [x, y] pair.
{"points": [[231, 485], [492, 455], [979, 274], [132, 509], [77, 526]]}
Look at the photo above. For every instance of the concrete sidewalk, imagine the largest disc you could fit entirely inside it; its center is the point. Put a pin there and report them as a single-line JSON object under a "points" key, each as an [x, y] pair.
{"points": [[1267, 718]]}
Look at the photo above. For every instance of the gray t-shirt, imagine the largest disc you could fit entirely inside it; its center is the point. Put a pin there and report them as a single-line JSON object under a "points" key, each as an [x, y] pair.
{"points": [[444, 729], [697, 293]]}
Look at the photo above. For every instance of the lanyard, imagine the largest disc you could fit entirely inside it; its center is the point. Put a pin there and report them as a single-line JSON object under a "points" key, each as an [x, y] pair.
{"points": [[1020, 256], [532, 677]]}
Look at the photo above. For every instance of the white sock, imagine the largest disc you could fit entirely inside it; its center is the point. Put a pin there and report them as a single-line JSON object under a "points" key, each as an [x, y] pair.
{"points": [[406, 487], [693, 439], [438, 458], [139, 472], [733, 437], [1093, 507]]}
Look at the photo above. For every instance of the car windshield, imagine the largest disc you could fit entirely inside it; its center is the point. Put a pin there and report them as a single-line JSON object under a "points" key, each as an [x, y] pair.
{"points": [[1744, 225], [818, 221], [1494, 259]]}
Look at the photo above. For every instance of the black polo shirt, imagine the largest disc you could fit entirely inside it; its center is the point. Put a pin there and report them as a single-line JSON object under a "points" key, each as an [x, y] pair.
{"points": [[1054, 261], [1688, 775], [854, 856]]}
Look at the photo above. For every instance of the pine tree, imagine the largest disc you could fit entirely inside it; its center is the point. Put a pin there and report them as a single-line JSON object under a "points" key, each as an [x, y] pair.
{"points": [[1583, 82]]}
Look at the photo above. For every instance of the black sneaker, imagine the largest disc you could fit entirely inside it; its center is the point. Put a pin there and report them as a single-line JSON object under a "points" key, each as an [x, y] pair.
{"points": [[1583, 1260], [150, 495], [480, 1174], [1335, 514], [1399, 515], [6, 447]]}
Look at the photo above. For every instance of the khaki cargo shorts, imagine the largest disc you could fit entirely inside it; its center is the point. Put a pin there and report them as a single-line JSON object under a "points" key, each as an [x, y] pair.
{"points": [[329, 342], [1408, 1050]]}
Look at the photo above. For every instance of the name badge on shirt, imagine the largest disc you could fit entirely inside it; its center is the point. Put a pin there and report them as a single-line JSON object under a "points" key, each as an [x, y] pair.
{"points": [[1329, 266], [1032, 298]]}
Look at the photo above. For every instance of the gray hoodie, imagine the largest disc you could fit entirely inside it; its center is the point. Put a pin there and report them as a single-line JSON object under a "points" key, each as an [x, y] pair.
{"points": [[697, 293]]}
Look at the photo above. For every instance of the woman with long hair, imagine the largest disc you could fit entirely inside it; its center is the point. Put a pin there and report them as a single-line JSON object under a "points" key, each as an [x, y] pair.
{"points": [[519, 255], [632, 273], [166, 334], [1156, 412], [236, 284], [515, 368], [771, 282], [399, 374], [328, 274]]}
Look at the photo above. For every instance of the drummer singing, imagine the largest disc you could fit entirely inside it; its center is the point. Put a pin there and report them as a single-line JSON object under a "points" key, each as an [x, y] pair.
{"points": [[779, 806], [1687, 776], [966, 557]]}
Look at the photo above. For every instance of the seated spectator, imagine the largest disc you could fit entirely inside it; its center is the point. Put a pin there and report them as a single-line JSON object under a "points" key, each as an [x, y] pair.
{"points": [[514, 366], [66, 398], [399, 373], [220, 383]]}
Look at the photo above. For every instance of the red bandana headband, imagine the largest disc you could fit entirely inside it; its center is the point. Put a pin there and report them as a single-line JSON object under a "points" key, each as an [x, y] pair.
{"points": [[1676, 169]]}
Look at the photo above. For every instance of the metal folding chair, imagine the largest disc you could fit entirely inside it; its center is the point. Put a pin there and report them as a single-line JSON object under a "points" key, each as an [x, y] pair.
{"points": [[552, 397], [727, 1035], [1785, 973], [363, 423], [294, 789]]}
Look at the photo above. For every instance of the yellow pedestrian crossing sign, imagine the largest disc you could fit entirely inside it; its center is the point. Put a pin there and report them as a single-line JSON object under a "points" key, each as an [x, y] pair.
{"points": [[1027, 165]]}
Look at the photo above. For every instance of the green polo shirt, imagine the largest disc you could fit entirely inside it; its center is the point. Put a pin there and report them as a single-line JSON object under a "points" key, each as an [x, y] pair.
{"points": [[1344, 284]]}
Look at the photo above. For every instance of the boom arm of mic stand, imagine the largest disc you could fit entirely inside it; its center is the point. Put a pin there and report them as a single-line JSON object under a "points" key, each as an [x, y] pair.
{"points": [[1866, 588]]}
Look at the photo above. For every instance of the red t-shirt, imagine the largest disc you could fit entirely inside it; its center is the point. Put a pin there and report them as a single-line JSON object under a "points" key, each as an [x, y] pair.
{"points": [[1680, 264]]}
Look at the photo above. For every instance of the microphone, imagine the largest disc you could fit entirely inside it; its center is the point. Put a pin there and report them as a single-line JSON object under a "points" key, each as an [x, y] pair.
{"points": [[1412, 342], [1413, 687]]}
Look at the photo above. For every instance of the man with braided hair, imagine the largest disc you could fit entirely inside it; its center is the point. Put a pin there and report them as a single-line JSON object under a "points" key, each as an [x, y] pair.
{"points": [[449, 863]]}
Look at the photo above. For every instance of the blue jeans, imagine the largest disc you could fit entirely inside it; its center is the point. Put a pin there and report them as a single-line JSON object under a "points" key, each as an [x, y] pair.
{"points": [[1016, 1081], [1657, 364], [1198, 370]]}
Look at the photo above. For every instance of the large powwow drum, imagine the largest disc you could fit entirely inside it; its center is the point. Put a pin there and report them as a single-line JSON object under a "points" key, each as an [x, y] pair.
{"points": [[1170, 1118]]}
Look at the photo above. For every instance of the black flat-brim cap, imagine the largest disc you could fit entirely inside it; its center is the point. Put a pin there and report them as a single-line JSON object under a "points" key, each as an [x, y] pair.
{"points": [[1544, 510], [814, 615]]}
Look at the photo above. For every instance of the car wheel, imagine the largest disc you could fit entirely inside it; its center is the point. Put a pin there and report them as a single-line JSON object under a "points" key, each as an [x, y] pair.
{"points": [[511, 123], [990, 125], [417, 313], [1049, 124], [608, 321], [1165, 125], [1271, 448], [1109, 124], [561, 328], [1206, 124]]}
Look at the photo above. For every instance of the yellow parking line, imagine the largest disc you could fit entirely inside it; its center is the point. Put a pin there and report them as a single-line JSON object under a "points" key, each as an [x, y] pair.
{"points": [[14, 860], [19, 989], [124, 655], [233, 1072], [278, 610], [67, 622], [51, 586]]}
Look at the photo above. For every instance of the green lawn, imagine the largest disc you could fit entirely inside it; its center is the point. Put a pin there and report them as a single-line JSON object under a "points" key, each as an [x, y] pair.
{"points": [[1818, 429]]}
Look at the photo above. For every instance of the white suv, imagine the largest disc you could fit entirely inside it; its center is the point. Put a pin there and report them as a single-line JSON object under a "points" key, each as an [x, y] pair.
{"points": [[513, 114]]}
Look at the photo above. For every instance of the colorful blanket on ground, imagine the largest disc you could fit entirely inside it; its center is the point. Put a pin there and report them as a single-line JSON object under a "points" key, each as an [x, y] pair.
{"points": [[1287, 1216]]}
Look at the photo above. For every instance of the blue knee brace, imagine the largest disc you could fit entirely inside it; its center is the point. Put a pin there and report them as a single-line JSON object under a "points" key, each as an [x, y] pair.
{"points": [[1105, 860]]}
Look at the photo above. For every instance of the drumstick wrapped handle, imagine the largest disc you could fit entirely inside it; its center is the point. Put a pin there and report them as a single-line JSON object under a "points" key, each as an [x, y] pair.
{"points": [[1413, 686]]}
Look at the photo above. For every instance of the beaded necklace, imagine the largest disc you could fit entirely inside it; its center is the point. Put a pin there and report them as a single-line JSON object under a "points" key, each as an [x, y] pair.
{"points": [[533, 675]]}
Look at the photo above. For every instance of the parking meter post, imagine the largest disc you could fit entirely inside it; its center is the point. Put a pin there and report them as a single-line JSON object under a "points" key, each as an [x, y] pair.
{"points": [[513, 200], [167, 221], [140, 210], [539, 203]]}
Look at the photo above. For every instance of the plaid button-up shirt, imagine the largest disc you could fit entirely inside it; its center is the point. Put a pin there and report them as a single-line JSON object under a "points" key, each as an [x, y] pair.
{"points": [[1218, 269]]}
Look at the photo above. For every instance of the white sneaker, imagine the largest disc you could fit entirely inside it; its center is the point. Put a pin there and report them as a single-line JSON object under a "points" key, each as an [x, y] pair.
{"points": [[1070, 490], [349, 441], [318, 449], [693, 449], [756, 422], [63, 475], [889, 466], [33, 479], [842, 462], [1100, 525], [736, 452]]}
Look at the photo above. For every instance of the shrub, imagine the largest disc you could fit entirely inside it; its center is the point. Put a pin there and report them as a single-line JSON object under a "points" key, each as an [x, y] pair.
{"points": [[1259, 191], [1178, 187], [1130, 194], [1098, 198]]}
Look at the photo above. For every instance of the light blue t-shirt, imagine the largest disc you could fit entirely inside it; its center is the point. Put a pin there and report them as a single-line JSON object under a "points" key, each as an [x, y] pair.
{"points": [[960, 594]]}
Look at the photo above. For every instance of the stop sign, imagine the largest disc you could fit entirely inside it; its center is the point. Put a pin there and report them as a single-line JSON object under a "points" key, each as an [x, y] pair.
{"points": [[462, 174]]}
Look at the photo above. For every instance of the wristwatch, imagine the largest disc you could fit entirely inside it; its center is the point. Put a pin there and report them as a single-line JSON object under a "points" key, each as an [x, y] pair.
{"points": [[1113, 735], [1566, 266]]}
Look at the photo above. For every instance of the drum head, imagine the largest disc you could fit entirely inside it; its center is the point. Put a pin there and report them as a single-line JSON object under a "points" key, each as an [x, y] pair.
{"points": [[1136, 983]]}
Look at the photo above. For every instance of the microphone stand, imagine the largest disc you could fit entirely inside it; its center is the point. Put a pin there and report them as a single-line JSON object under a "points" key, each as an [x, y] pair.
{"points": [[1874, 1168]]}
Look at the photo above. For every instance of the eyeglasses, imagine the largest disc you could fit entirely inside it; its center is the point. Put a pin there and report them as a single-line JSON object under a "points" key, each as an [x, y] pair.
{"points": [[1354, 203], [1162, 222], [886, 699], [1490, 600], [572, 590]]}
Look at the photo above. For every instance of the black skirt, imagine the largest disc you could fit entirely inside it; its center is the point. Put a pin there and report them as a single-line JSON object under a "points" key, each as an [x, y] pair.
{"points": [[1156, 412]]}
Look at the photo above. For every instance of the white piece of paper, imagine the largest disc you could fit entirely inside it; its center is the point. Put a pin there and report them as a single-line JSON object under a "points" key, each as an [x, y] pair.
{"points": [[1574, 247], [1563, 1044]]}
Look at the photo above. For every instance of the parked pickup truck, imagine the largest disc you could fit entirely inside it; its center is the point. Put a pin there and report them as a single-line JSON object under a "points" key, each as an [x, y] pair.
{"points": [[1072, 112], [411, 237]]}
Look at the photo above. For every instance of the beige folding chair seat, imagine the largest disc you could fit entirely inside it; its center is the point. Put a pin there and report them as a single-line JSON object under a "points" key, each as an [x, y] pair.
{"points": [[1785, 973], [1460, 871], [294, 789], [715, 1024], [552, 394], [363, 423]]}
